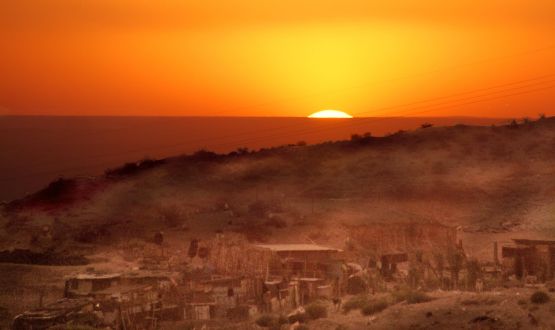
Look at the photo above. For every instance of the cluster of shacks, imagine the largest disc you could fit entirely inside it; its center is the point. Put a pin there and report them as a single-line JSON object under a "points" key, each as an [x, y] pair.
{"points": [[229, 278], [238, 279], [119, 301], [226, 278]]}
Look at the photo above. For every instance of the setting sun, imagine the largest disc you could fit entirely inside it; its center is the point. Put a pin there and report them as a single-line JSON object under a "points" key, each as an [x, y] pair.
{"points": [[330, 114]]}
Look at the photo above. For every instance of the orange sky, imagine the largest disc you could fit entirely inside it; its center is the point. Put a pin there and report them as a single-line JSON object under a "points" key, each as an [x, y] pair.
{"points": [[277, 57]]}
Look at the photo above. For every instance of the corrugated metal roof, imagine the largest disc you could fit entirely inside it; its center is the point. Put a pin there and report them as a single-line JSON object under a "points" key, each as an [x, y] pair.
{"points": [[296, 247]]}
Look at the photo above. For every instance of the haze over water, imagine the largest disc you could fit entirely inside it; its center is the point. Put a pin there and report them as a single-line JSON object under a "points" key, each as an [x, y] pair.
{"points": [[37, 150]]}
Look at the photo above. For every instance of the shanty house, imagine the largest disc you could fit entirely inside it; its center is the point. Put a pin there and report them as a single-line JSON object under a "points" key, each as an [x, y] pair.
{"points": [[85, 284], [529, 257], [298, 273], [303, 260]]}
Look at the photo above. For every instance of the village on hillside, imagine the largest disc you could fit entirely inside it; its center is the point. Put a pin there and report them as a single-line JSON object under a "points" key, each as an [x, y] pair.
{"points": [[229, 283]]}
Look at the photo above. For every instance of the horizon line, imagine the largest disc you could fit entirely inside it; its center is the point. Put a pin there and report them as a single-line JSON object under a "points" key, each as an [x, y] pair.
{"points": [[242, 116]]}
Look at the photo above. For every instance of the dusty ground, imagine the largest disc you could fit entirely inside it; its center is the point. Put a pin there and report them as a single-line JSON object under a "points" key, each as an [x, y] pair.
{"points": [[503, 309]]}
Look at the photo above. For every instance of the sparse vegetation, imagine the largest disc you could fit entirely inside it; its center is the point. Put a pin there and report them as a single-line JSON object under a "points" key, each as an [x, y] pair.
{"points": [[274, 322], [265, 320], [539, 297], [374, 306], [410, 296], [299, 317], [356, 302], [356, 285], [316, 310]]}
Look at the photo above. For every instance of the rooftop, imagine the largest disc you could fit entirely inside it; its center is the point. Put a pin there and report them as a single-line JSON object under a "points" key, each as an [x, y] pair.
{"points": [[120, 289], [533, 241], [95, 276], [296, 247]]}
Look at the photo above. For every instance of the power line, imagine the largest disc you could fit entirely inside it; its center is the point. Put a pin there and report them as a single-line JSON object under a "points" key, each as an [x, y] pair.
{"points": [[361, 121], [358, 122], [538, 80]]}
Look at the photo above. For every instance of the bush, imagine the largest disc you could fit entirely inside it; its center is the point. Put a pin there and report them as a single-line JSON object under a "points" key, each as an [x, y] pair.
{"points": [[299, 317], [58, 190], [356, 302], [410, 296], [373, 307], [316, 310], [270, 321], [539, 297], [265, 320], [282, 319], [356, 285]]}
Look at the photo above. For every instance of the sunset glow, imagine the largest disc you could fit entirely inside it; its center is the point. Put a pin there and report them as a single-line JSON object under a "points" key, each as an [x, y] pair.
{"points": [[273, 58], [330, 114]]}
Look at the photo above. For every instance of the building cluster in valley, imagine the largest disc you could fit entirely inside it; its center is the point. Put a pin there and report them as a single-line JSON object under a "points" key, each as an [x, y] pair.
{"points": [[229, 279]]}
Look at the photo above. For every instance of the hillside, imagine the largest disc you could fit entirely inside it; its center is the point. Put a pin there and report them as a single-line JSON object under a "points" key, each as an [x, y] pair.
{"points": [[491, 182]]}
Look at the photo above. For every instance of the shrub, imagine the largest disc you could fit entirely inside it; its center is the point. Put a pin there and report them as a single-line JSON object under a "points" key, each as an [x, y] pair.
{"points": [[373, 307], [282, 319], [58, 190], [356, 302], [356, 285], [270, 321], [410, 296], [316, 310], [299, 317], [539, 297], [265, 320]]}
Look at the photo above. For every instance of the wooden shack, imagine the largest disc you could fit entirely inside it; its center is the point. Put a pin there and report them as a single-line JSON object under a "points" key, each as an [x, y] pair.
{"points": [[85, 284], [528, 257], [303, 272], [302, 260]]}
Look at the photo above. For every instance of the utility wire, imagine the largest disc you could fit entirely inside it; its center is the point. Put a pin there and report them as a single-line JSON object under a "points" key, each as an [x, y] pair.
{"points": [[358, 122]]}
